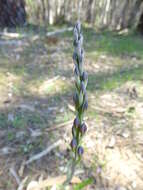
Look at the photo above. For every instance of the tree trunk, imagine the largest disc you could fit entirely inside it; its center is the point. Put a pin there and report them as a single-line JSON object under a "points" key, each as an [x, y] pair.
{"points": [[119, 14], [136, 13], [43, 11], [12, 13], [89, 11]]}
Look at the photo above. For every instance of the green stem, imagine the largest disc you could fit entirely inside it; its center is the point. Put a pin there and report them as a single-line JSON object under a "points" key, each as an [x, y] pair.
{"points": [[70, 173]]}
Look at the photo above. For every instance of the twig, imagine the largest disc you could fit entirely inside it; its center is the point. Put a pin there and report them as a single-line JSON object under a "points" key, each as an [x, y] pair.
{"points": [[21, 186], [14, 174], [59, 31], [72, 108], [59, 126], [53, 79], [65, 124], [43, 153], [11, 35]]}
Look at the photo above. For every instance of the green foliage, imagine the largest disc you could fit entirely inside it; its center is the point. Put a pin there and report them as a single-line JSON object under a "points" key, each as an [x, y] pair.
{"points": [[131, 110], [111, 81], [35, 145], [23, 119], [3, 120], [84, 184], [10, 136], [19, 121], [27, 148], [113, 44]]}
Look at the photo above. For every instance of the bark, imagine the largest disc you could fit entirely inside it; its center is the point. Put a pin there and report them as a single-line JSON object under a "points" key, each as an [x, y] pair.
{"points": [[89, 11], [48, 5], [12, 13], [43, 10], [136, 12], [124, 10]]}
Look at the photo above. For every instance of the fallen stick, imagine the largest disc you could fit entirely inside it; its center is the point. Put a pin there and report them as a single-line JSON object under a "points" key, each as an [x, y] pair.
{"points": [[22, 184], [43, 153], [53, 79], [14, 174], [59, 126], [65, 124], [50, 182], [59, 31], [11, 35]]}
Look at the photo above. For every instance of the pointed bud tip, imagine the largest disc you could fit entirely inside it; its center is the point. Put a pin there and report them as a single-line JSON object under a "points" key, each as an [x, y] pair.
{"points": [[76, 122], [76, 71], [85, 105], [73, 143], [83, 128], [78, 26], [74, 56], [83, 87], [84, 76], [80, 150], [75, 99]]}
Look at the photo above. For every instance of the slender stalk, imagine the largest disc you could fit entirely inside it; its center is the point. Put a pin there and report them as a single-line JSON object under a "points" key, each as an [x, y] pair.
{"points": [[80, 100], [70, 173]]}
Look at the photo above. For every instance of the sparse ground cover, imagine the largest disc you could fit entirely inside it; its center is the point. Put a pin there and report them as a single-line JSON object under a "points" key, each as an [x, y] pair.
{"points": [[36, 87]]}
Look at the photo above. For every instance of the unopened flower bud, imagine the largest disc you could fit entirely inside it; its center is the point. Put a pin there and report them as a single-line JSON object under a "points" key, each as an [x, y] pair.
{"points": [[76, 71], [79, 52], [83, 128], [75, 99], [78, 27], [83, 87], [75, 34], [76, 122], [81, 56], [85, 78], [75, 42], [81, 68], [80, 150], [81, 40], [85, 105], [74, 56], [73, 143]]}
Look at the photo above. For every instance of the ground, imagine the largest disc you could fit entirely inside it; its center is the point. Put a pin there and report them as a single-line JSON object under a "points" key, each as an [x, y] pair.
{"points": [[36, 108]]}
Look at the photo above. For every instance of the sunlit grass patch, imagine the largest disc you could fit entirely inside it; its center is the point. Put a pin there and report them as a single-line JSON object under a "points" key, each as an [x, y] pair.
{"points": [[64, 116], [84, 184], [107, 81], [54, 85], [113, 44]]}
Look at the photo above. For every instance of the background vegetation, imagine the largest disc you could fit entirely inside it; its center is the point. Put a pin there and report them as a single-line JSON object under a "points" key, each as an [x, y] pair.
{"points": [[37, 84]]}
